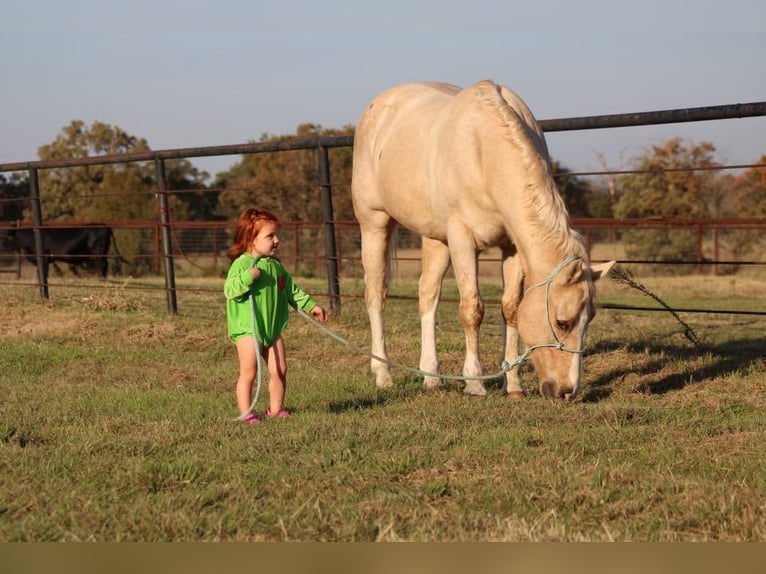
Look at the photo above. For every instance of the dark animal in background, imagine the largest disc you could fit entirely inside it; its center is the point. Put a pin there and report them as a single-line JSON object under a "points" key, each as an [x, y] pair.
{"points": [[83, 247]]}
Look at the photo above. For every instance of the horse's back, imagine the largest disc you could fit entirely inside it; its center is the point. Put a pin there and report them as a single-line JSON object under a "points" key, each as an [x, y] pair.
{"points": [[421, 153], [399, 141], [420, 107], [398, 114]]}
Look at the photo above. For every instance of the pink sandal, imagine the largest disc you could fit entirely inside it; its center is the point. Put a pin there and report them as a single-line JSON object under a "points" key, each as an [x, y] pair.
{"points": [[280, 414], [249, 419]]}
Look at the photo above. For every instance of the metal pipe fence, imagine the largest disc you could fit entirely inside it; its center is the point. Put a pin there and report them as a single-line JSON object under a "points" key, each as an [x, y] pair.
{"points": [[166, 229], [198, 248]]}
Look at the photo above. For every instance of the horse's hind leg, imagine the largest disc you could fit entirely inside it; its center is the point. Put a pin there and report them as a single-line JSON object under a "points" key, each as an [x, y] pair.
{"points": [[375, 244], [435, 261]]}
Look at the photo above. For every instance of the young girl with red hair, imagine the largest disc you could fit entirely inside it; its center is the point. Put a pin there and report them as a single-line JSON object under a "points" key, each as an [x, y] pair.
{"points": [[256, 272]]}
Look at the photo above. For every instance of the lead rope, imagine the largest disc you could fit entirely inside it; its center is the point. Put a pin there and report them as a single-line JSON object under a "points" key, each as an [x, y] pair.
{"points": [[505, 366], [258, 358]]}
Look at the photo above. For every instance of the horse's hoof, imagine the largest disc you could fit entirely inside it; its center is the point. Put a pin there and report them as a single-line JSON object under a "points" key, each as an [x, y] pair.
{"points": [[517, 395], [432, 383], [475, 389], [384, 381]]}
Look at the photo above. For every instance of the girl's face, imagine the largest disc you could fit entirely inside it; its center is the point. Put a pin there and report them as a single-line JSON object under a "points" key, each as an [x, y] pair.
{"points": [[266, 240]]}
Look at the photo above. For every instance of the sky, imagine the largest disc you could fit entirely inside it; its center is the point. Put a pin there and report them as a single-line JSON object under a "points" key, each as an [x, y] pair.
{"points": [[190, 73]]}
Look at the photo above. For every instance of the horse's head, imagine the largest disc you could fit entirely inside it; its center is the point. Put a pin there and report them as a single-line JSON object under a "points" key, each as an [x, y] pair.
{"points": [[553, 317]]}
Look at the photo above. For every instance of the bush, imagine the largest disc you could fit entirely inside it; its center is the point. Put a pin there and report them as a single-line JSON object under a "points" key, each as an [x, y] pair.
{"points": [[662, 245]]}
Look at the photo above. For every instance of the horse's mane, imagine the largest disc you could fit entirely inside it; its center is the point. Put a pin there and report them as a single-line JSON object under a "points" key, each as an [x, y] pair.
{"points": [[541, 196]]}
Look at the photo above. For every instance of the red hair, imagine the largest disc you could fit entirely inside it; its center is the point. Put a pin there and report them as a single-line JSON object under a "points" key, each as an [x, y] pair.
{"points": [[249, 224]]}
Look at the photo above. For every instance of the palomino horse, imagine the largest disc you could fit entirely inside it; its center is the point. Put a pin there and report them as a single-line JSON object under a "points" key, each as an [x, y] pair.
{"points": [[468, 169]]}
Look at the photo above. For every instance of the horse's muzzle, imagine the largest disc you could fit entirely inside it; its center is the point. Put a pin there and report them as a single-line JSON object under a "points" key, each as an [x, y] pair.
{"points": [[550, 390]]}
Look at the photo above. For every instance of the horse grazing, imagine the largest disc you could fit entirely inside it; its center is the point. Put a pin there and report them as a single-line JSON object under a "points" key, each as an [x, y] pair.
{"points": [[468, 169]]}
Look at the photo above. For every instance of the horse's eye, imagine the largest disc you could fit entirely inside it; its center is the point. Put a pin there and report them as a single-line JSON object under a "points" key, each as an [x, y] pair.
{"points": [[564, 325]]}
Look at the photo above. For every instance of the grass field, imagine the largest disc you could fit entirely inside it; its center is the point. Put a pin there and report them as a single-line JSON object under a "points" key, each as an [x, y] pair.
{"points": [[116, 423]]}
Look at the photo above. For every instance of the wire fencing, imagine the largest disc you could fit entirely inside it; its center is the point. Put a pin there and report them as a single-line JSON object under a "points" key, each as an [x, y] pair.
{"points": [[330, 247]]}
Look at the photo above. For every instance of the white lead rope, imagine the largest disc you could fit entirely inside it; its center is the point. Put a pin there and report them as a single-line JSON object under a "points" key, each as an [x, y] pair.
{"points": [[505, 366], [258, 358]]}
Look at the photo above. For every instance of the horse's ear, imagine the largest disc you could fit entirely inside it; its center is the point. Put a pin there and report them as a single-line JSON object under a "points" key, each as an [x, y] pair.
{"points": [[601, 269]]}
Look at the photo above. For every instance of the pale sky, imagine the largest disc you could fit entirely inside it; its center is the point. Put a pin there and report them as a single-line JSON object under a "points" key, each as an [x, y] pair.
{"points": [[188, 73]]}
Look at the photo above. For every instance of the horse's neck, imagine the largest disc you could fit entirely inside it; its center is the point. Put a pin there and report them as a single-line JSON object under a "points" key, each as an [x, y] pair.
{"points": [[538, 222], [539, 259], [537, 268]]}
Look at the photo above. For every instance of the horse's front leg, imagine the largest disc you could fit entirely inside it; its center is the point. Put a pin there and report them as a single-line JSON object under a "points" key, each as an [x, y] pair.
{"points": [[465, 262], [375, 242], [435, 261], [513, 278]]}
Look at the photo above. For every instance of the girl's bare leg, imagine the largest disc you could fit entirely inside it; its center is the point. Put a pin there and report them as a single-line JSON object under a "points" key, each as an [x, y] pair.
{"points": [[275, 357]]}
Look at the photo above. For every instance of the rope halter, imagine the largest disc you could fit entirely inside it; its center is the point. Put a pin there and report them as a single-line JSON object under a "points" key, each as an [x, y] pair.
{"points": [[557, 344]]}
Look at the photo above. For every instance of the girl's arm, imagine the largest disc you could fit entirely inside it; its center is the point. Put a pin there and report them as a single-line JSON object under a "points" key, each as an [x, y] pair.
{"points": [[240, 279], [296, 296]]}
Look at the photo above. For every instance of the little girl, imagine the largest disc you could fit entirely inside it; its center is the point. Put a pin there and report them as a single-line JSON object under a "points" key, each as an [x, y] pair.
{"points": [[254, 269]]}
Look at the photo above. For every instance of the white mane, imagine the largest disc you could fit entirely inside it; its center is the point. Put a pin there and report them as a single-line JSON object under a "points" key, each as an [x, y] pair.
{"points": [[546, 207]]}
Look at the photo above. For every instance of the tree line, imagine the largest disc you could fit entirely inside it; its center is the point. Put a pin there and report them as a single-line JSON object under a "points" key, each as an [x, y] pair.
{"points": [[674, 179]]}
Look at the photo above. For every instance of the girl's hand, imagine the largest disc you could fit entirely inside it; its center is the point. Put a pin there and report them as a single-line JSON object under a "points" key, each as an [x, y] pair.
{"points": [[254, 272], [319, 313]]}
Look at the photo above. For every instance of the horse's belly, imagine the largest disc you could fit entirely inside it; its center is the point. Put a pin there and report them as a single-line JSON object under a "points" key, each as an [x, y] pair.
{"points": [[425, 227], [412, 208]]}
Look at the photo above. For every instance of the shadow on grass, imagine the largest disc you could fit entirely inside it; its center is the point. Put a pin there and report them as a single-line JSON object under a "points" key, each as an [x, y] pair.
{"points": [[357, 404], [727, 358], [402, 391]]}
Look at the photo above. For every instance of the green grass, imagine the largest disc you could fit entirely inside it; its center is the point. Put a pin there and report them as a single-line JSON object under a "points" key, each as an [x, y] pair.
{"points": [[116, 423]]}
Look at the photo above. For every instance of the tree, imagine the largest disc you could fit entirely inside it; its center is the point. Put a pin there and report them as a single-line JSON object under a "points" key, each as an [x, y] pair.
{"points": [[672, 180], [750, 191], [287, 183], [580, 197], [93, 192], [111, 191], [668, 184], [200, 202], [114, 191], [749, 200], [572, 189], [14, 196]]}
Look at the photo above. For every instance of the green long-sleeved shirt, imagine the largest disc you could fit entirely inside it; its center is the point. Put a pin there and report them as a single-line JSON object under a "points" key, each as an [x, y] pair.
{"points": [[272, 292]]}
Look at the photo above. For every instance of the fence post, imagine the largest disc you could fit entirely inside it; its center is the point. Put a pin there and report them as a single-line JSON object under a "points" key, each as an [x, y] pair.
{"points": [[716, 253], [167, 244], [333, 283], [156, 246], [296, 245], [37, 222]]}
